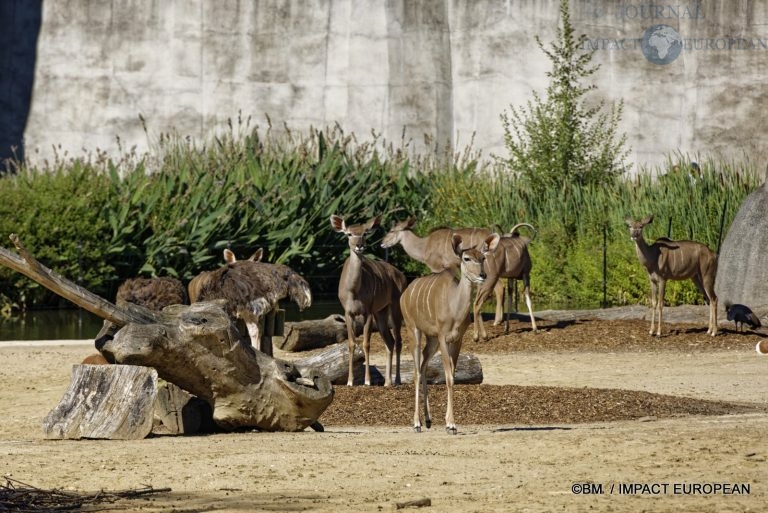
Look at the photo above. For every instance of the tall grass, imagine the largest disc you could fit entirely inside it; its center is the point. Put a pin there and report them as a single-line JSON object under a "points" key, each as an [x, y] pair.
{"points": [[577, 224], [172, 211]]}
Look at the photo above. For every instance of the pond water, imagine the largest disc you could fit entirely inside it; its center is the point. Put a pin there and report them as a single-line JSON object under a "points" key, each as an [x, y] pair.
{"points": [[78, 324]]}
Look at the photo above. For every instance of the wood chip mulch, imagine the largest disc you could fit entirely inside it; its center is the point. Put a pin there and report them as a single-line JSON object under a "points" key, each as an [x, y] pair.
{"points": [[525, 406]]}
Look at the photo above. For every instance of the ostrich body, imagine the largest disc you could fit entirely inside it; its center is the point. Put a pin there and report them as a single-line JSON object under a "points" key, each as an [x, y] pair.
{"points": [[152, 293], [252, 289]]}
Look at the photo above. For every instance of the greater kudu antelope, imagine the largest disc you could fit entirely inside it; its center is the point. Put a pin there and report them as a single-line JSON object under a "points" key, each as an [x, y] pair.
{"points": [[436, 252], [668, 259], [511, 260], [370, 288], [436, 307]]}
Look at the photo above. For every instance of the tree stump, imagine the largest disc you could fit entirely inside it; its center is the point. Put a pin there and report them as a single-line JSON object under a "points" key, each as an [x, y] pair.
{"points": [[114, 402]]}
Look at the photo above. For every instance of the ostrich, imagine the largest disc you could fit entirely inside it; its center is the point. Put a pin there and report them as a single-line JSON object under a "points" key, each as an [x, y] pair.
{"points": [[229, 257], [251, 289], [152, 293], [741, 314]]}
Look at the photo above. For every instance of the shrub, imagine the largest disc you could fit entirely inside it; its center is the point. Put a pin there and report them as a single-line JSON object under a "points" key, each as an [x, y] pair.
{"points": [[57, 214]]}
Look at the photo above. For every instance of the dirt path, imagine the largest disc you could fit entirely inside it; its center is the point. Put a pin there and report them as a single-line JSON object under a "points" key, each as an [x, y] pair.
{"points": [[485, 468]]}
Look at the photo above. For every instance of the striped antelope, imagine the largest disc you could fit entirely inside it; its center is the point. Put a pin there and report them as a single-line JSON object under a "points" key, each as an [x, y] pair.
{"points": [[370, 288], [668, 259], [436, 252], [511, 260], [436, 308]]}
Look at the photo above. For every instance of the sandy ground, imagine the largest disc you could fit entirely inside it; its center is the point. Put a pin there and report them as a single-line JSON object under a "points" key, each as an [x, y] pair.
{"points": [[676, 464]]}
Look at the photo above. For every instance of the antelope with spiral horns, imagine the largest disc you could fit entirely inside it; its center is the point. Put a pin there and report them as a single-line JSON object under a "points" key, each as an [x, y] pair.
{"points": [[512, 261], [370, 288], [436, 252], [436, 309], [668, 259]]}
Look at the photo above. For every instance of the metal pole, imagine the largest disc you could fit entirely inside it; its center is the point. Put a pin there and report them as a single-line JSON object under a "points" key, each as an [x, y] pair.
{"points": [[605, 265], [722, 224]]}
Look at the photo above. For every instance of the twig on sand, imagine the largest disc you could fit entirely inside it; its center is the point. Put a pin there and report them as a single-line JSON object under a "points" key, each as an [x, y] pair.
{"points": [[21, 497], [418, 503]]}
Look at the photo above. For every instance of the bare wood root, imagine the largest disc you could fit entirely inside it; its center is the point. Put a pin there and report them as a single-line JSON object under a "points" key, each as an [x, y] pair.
{"points": [[21, 497]]}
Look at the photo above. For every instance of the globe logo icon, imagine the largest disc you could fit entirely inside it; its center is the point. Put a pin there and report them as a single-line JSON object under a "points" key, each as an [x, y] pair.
{"points": [[661, 44]]}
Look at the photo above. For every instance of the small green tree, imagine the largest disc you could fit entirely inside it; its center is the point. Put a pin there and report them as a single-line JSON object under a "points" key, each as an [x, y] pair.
{"points": [[560, 140]]}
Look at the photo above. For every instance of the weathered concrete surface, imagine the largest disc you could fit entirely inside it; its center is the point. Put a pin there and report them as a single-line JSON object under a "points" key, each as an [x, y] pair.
{"points": [[446, 68], [742, 266], [18, 40]]}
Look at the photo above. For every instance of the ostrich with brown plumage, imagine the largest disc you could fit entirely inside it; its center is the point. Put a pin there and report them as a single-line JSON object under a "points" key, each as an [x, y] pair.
{"points": [[152, 293], [251, 289]]}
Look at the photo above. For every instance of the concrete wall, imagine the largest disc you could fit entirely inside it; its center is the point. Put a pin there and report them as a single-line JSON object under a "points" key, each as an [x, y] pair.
{"points": [[446, 68]]}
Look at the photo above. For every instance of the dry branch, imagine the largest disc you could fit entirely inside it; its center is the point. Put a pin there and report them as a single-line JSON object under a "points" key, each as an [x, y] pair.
{"points": [[21, 497], [31, 268]]}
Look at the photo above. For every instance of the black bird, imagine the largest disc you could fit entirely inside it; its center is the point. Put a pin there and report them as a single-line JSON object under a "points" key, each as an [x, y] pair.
{"points": [[742, 314]]}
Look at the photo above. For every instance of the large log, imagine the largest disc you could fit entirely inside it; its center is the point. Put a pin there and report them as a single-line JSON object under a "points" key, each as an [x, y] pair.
{"points": [[105, 401], [469, 371], [202, 350], [333, 363], [316, 333]]}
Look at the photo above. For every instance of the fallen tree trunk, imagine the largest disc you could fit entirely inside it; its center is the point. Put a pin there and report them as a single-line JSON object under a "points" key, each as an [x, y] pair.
{"points": [[333, 363], [316, 333], [202, 350], [124, 402], [469, 371]]}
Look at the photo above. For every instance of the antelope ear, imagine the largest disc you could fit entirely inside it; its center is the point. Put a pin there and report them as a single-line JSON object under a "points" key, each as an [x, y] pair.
{"points": [[229, 257], [256, 257], [647, 220], [456, 243], [490, 243], [629, 221], [410, 222], [372, 223], [337, 223]]}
